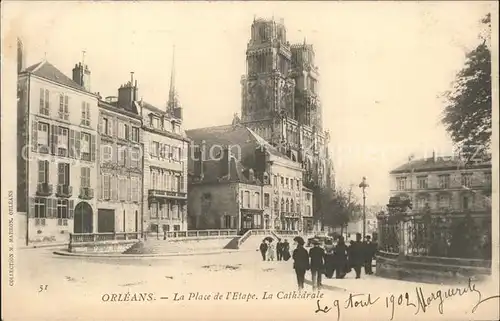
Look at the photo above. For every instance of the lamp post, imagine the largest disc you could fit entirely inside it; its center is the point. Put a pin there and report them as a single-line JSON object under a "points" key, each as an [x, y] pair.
{"points": [[363, 185]]}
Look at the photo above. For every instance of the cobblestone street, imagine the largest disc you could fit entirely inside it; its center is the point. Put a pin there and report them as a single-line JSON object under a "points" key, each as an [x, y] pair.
{"points": [[84, 282]]}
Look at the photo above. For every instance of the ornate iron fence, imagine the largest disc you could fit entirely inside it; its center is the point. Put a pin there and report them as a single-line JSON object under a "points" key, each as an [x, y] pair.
{"points": [[452, 235]]}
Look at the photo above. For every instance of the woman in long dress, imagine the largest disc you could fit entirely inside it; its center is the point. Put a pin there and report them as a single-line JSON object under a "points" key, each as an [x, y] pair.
{"points": [[286, 250], [271, 251], [340, 259], [329, 259]]}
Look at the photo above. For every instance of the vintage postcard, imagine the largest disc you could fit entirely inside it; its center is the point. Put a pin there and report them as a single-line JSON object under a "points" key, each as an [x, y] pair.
{"points": [[249, 160]]}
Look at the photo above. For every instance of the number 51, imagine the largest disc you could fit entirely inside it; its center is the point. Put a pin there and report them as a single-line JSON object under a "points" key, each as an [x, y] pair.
{"points": [[43, 287]]}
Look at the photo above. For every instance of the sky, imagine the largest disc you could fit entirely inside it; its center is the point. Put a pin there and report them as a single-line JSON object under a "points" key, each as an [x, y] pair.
{"points": [[383, 65]]}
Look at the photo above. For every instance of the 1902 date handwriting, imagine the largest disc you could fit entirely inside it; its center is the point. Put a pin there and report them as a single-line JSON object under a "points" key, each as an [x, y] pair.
{"points": [[420, 301]]}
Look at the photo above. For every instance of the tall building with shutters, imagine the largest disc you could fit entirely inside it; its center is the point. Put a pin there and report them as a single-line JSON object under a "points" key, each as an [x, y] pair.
{"points": [[120, 163], [57, 151], [165, 166]]}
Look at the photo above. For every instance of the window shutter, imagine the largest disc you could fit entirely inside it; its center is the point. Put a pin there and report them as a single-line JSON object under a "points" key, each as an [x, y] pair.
{"points": [[100, 129], [53, 139], [31, 207], [66, 173], [34, 136], [93, 150], [114, 188], [101, 189], [71, 209], [71, 143], [49, 207], [78, 138], [47, 178]]}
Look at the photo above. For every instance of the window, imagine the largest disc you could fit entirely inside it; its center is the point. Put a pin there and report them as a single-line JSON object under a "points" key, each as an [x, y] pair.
{"points": [[86, 114], [43, 171], [241, 199], [282, 181], [155, 122], [43, 137], [266, 200], [153, 210], [421, 202], [298, 185], [62, 141], [85, 177], [466, 179], [298, 208], [63, 174], [466, 202], [63, 107], [106, 188], [122, 155], [155, 149], [308, 210], [62, 210], [135, 158], [287, 206], [135, 189], [154, 228], [444, 181], [85, 146], [177, 228], [122, 188], [106, 126], [422, 182], [247, 199], [40, 207], [106, 153], [257, 200], [291, 183], [282, 205], [443, 201], [135, 134], [286, 182], [123, 131], [275, 179], [401, 183], [44, 102]]}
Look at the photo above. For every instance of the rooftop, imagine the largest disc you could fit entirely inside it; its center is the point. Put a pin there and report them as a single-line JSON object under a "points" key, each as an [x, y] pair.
{"points": [[437, 164]]}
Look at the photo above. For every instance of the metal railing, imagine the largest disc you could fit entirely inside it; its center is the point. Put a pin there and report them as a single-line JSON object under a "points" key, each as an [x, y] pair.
{"points": [[193, 234], [448, 235]]}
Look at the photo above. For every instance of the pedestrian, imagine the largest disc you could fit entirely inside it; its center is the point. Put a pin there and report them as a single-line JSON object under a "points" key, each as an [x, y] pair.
{"points": [[300, 261], [329, 262], [263, 249], [356, 255], [279, 250], [271, 251], [317, 255], [285, 250], [340, 258], [369, 253]]}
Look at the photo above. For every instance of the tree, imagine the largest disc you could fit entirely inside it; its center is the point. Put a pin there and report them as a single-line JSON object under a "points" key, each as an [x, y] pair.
{"points": [[339, 207], [398, 205], [467, 113]]}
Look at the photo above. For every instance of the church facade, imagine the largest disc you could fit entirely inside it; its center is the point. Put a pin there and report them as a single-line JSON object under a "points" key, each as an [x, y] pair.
{"points": [[280, 100]]}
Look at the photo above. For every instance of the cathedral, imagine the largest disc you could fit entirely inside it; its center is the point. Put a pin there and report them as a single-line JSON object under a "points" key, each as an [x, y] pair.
{"points": [[280, 100]]}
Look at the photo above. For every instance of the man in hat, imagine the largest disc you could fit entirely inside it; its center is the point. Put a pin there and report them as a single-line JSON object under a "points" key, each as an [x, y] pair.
{"points": [[279, 250], [263, 249], [317, 256], [369, 250], [356, 255]]}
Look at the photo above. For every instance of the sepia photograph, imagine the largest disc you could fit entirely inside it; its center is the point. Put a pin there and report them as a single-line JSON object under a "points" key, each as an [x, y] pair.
{"points": [[169, 160]]}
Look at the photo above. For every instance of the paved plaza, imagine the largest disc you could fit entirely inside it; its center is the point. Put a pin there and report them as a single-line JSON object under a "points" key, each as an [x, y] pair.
{"points": [[59, 286]]}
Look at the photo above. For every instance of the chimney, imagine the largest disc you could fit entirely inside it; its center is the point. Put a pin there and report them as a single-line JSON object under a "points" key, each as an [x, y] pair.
{"points": [[251, 175], [224, 162], [128, 93], [81, 75], [434, 158]]}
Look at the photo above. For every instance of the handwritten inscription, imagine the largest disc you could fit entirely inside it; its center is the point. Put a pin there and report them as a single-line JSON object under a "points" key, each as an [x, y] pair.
{"points": [[420, 301]]}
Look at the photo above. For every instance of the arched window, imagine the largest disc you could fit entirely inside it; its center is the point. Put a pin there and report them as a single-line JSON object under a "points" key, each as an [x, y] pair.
{"points": [[292, 207]]}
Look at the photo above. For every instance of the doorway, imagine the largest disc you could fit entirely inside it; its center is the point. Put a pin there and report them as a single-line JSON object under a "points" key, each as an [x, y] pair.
{"points": [[83, 220], [105, 221]]}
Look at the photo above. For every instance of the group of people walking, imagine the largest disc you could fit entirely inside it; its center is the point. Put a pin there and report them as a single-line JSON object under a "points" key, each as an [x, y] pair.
{"points": [[268, 251], [338, 259]]}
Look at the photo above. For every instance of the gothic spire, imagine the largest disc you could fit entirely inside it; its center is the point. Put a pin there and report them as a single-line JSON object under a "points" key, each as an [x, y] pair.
{"points": [[172, 94]]}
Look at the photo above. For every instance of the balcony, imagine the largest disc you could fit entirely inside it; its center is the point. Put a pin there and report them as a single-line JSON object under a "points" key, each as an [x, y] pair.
{"points": [[86, 193], [64, 190], [44, 189], [153, 193], [290, 214]]}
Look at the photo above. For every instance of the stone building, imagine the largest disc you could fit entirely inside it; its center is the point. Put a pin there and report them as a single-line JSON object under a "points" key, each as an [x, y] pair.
{"points": [[280, 100], [239, 181], [444, 184], [57, 152], [165, 166], [120, 165]]}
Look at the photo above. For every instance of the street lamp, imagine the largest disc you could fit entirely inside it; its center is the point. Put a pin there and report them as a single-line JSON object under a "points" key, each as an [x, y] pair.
{"points": [[363, 185]]}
